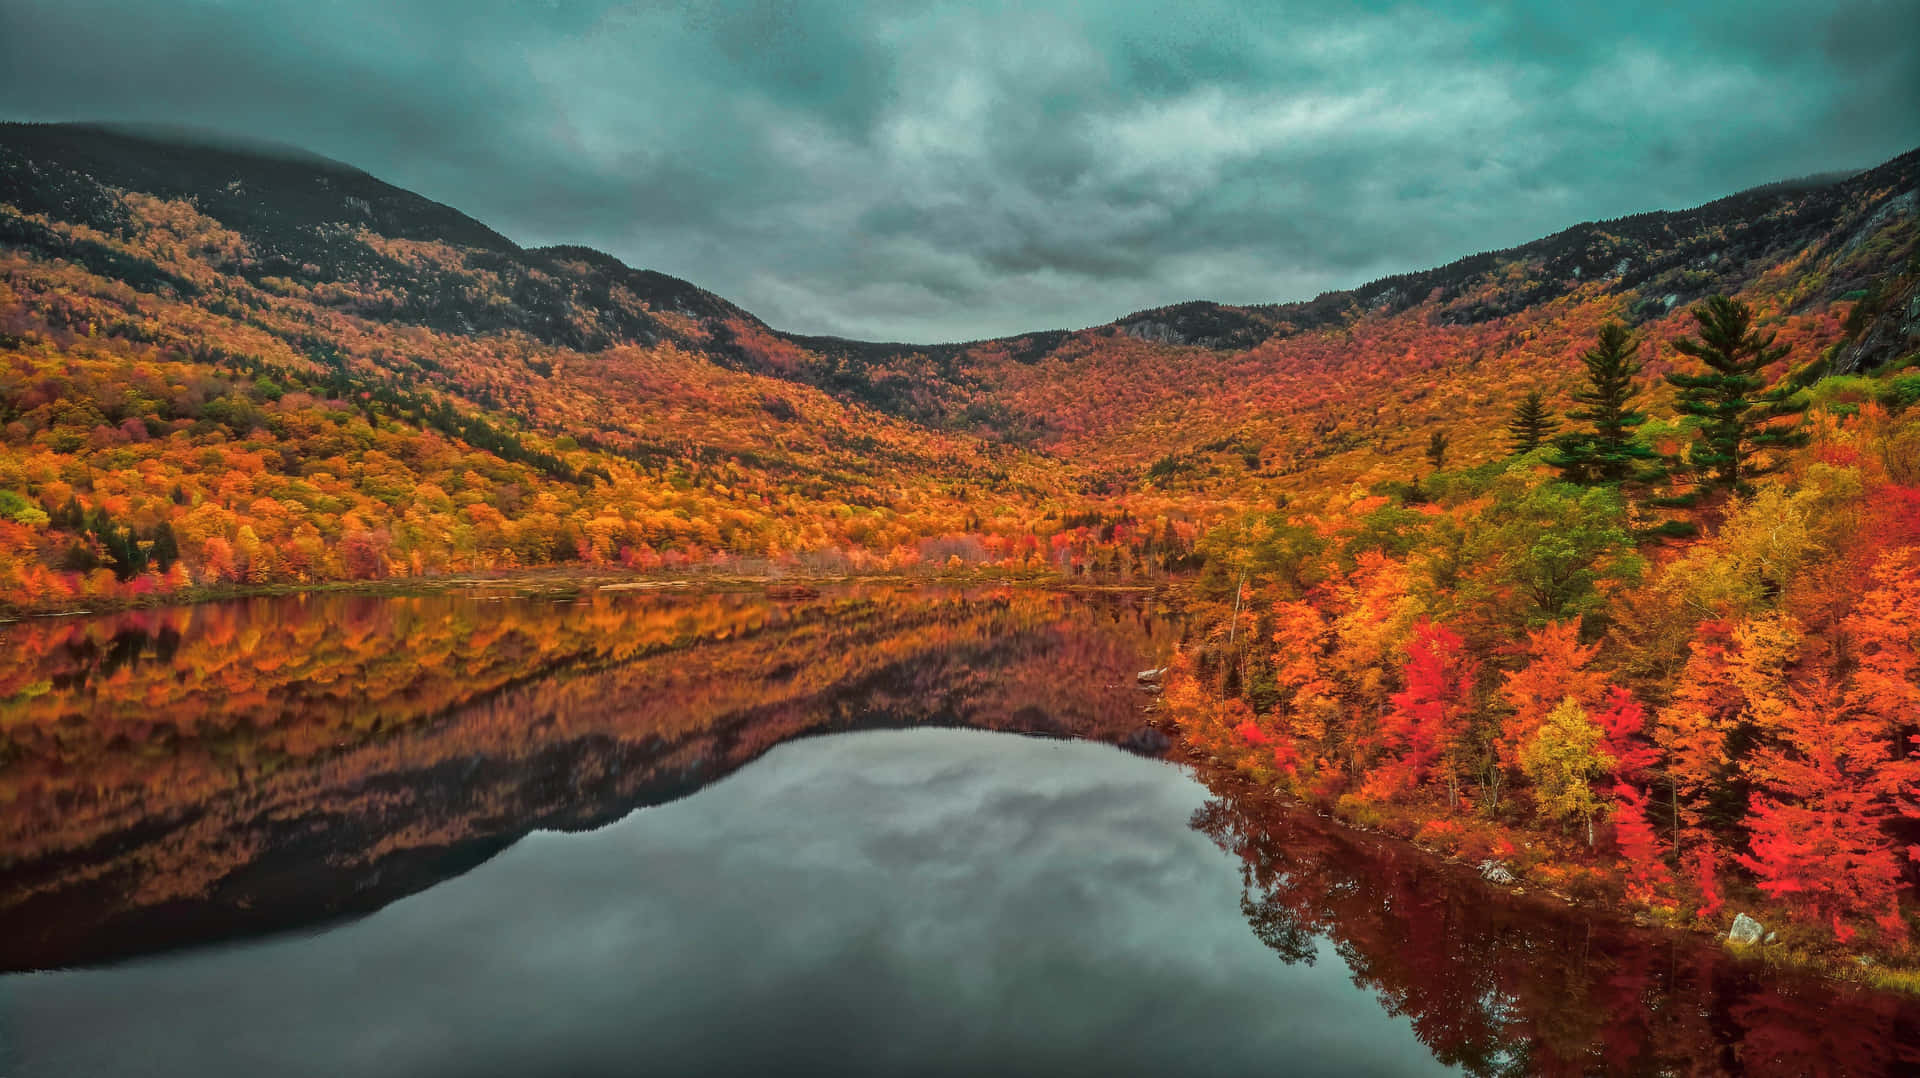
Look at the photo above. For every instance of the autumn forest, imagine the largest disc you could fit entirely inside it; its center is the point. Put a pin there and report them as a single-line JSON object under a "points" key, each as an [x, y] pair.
{"points": [[1598, 557]]}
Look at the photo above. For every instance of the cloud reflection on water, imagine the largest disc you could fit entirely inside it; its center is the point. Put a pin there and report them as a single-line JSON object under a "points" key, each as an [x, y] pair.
{"points": [[927, 901]]}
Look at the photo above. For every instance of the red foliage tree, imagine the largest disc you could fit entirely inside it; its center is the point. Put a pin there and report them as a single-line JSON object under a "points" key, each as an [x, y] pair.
{"points": [[1817, 832], [1429, 718], [1884, 629], [1638, 843], [1703, 862], [1624, 722]]}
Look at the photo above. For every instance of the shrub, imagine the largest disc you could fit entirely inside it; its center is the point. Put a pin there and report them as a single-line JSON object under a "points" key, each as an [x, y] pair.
{"points": [[1901, 392], [21, 511]]}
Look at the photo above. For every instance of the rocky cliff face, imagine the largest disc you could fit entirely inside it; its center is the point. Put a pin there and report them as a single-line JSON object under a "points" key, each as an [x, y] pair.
{"points": [[1885, 327]]}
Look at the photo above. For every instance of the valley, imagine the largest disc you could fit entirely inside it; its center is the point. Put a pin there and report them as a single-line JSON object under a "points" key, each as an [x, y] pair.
{"points": [[1656, 647]]}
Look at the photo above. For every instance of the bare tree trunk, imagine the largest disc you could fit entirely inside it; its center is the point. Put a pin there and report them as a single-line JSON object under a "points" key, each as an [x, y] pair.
{"points": [[1233, 627], [1673, 784]]}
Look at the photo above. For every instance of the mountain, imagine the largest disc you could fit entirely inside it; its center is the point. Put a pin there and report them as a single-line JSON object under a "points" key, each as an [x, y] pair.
{"points": [[1802, 247], [302, 372]]}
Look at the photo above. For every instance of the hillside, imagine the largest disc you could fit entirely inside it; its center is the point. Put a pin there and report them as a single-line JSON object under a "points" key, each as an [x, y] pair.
{"points": [[361, 383], [1652, 643], [1347, 385], [231, 364]]}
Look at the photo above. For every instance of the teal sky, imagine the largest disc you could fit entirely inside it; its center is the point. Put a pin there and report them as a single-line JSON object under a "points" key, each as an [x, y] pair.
{"points": [[927, 171]]}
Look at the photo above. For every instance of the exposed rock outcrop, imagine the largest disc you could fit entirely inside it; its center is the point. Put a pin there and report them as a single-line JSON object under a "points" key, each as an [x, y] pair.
{"points": [[1892, 332], [1745, 930]]}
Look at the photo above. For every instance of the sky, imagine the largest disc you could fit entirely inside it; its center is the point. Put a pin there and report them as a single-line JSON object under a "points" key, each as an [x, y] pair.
{"points": [[926, 172]]}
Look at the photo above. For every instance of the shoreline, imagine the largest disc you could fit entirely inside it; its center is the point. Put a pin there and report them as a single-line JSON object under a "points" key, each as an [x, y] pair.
{"points": [[1857, 970], [559, 581]]}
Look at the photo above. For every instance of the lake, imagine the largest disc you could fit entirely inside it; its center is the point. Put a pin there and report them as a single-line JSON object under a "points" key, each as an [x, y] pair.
{"points": [[876, 829]]}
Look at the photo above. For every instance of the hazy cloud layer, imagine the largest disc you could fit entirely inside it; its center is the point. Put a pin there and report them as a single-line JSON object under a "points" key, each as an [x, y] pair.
{"points": [[941, 171]]}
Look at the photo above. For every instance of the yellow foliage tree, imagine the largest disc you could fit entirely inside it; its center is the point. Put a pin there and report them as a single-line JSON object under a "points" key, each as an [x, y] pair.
{"points": [[1562, 761]]}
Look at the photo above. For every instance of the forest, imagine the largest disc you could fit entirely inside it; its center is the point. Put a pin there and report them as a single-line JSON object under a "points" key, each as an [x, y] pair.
{"points": [[1597, 557], [1665, 649]]}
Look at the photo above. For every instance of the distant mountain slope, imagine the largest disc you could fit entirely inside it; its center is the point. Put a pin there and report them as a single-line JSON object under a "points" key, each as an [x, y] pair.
{"points": [[301, 215], [1831, 237], [268, 193], [1684, 254], [1368, 368]]}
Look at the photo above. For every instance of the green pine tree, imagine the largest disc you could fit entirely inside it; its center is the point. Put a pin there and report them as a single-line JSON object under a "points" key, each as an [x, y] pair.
{"points": [[1606, 451], [166, 547], [124, 552], [1531, 424], [70, 516], [1437, 449], [1732, 399]]}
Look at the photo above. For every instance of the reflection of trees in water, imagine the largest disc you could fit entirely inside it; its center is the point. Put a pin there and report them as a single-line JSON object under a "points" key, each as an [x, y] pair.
{"points": [[1501, 986], [1277, 927], [281, 760]]}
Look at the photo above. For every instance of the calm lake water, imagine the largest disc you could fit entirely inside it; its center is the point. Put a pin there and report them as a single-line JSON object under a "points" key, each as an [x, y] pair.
{"points": [[730, 833]]}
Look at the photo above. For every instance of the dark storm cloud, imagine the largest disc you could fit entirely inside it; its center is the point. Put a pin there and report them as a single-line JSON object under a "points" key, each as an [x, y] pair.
{"points": [[939, 171]]}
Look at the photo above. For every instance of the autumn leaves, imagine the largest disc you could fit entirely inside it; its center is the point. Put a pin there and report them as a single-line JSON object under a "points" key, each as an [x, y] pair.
{"points": [[1690, 716]]}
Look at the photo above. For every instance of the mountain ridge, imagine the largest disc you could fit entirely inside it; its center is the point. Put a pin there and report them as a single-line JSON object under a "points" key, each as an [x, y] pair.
{"points": [[1392, 289]]}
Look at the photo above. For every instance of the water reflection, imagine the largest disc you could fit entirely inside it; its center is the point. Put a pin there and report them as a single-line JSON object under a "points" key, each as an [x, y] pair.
{"points": [[923, 902], [190, 774], [1500, 986], [935, 901]]}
